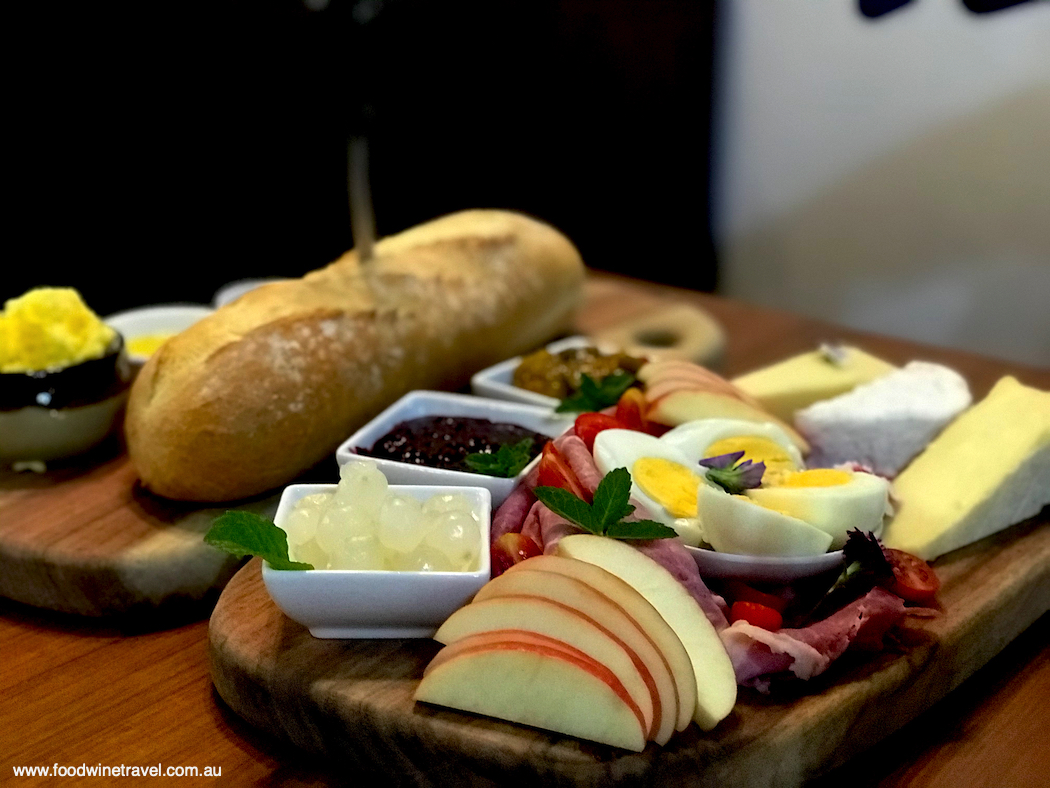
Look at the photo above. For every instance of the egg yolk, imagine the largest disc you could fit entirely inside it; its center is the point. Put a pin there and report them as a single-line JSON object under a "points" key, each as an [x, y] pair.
{"points": [[816, 477], [670, 484], [757, 449]]}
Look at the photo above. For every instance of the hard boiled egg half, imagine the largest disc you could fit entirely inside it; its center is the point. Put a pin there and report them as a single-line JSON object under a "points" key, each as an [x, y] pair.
{"points": [[835, 501], [760, 442], [664, 479]]}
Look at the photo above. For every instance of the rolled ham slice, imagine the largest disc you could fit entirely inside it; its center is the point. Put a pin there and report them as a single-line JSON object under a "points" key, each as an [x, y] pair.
{"points": [[759, 655]]}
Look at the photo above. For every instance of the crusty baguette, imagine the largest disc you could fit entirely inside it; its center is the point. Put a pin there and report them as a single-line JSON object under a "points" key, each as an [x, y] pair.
{"points": [[270, 384]]}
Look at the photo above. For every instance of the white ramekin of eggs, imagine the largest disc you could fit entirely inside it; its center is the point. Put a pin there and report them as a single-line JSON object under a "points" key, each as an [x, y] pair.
{"points": [[390, 561], [792, 524]]}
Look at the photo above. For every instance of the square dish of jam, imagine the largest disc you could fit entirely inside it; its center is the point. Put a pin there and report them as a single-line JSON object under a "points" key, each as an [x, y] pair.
{"points": [[434, 437]]}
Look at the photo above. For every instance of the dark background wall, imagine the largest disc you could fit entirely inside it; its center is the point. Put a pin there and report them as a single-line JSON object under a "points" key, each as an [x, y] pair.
{"points": [[159, 150]]}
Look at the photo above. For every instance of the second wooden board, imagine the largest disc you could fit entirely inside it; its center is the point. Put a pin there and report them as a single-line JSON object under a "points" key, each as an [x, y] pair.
{"points": [[352, 700]]}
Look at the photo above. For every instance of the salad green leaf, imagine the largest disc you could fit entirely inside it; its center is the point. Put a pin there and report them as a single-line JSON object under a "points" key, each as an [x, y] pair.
{"points": [[606, 516], [245, 533]]}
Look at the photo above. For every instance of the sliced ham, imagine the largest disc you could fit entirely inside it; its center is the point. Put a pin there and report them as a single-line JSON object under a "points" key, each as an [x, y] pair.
{"points": [[758, 655], [580, 460], [510, 516]]}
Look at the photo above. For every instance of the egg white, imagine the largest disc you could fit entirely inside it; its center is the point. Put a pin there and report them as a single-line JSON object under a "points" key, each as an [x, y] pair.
{"points": [[735, 524], [616, 448], [694, 437], [861, 503]]}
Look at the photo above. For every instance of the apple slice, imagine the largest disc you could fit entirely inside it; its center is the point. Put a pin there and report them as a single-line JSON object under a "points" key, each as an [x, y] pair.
{"points": [[637, 607], [715, 678], [534, 614], [600, 610], [529, 680]]}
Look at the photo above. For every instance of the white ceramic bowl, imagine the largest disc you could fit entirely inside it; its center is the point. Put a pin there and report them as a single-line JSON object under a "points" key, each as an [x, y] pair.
{"points": [[152, 321], [763, 568], [356, 603], [495, 381], [421, 403]]}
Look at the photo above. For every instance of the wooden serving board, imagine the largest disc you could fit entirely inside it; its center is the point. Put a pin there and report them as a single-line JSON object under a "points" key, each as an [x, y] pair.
{"points": [[352, 700], [85, 538]]}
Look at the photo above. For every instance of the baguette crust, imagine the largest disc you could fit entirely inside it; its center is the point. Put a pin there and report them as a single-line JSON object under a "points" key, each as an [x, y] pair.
{"points": [[270, 384]]}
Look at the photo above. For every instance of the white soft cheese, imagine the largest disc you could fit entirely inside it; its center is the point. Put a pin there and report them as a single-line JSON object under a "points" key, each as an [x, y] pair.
{"points": [[885, 423]]}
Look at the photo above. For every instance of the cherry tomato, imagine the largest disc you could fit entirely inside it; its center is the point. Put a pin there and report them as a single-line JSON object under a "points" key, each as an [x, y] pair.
{"points": [[630, 410], [512, 548], [756, 614], [913, 579], [739, 591], [588, 425], [554, 471]]}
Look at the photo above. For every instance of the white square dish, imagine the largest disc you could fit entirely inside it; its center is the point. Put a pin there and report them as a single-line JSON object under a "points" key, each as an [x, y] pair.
{"points": [[495, 381], [417, 404], [357, 603]]}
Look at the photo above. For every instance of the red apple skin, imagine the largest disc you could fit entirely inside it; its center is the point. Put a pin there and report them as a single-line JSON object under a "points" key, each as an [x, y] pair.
{"points": [[466, 659], [569, 592], [512, 548]]}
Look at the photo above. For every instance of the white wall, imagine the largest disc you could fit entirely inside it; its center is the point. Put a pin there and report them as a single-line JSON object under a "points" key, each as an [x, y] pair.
{"points": [[892, 173]]}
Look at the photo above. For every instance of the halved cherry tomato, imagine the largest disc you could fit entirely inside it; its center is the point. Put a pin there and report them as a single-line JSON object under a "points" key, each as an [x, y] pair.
{"points": [[588, 425], [756, 614], [913, 579], [740, 591], [630, 410], [512, 548], [554, 471]]}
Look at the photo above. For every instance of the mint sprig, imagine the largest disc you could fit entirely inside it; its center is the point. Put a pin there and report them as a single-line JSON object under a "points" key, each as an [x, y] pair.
{"points": [[595, 395], [506, 462], [606, 516], [245, 533]]}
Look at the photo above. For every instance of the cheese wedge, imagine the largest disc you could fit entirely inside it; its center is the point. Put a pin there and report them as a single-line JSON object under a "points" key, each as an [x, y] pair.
{"points": [[790, 385], [885, 423], [988, 469]]}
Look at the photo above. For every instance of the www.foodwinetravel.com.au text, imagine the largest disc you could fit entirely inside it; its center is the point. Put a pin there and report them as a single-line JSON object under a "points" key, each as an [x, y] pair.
{"points": [[121, 770]]}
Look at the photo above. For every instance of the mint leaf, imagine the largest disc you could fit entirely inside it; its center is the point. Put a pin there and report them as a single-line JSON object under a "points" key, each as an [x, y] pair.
{"points": [[507, 462], [594, 396], [244, 533], [640, 529], [612, 498], [606, 516], [573, 508]]}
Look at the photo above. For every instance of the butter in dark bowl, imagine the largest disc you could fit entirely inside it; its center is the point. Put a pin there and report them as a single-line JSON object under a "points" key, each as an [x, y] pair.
{"points": [[64, 378]]}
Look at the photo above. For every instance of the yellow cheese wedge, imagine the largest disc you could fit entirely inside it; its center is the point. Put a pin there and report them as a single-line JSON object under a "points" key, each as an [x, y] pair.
{"points": [[988, 469], [799, 381]]}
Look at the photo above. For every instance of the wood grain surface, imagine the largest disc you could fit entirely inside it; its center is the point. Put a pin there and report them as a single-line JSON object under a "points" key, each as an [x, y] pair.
{"points": [[77, 690], [85, 538]]}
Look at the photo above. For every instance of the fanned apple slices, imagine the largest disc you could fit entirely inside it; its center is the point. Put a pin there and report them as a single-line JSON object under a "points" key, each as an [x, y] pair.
{"points": [[534, 680], [715, 677], [549, 618]]}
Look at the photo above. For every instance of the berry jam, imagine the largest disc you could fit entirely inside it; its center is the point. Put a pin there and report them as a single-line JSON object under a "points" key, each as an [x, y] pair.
{"points": [[445, 441]]}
